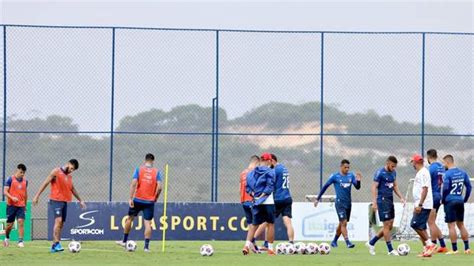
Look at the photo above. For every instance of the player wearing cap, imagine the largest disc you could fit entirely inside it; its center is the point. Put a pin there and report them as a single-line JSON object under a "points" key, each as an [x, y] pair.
{"points": [[423, 197], [436, 173], [260, 185], [384, 185], [343, 181], [455, 179]]}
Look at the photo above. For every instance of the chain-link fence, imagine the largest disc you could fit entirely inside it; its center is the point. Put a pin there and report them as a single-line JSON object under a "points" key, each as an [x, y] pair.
{"points": [[204, 101]]}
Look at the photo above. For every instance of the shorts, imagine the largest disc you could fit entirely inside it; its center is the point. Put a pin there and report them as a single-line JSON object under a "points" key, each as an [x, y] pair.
{"points": [[14, 212], [419, 220], [148, 210], [283, 208], [263, 213], [248, 212], [343, 212], [59, 209], [436, 202], [454, 211], [386, 210]]}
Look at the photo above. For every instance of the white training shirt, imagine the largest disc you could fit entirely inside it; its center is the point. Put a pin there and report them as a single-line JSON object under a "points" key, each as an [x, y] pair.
{"points": [[269, 200], [423, 179]]}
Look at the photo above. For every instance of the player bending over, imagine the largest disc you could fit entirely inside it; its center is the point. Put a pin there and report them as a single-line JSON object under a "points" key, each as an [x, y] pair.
{"points": [[436, 173], [62, 190], [384, 185], [343, 181], [423, 197], [15, 190], [260, 185], [144, 192], [247, 201], [455, 179]]}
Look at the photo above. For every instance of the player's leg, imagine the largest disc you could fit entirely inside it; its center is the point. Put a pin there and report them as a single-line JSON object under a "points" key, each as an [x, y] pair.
{"points": [[21, 232], [11, 215], [343, 225], [269, 217], [450, 219], [287, 216], [453, 236], [148, 212], [256, 221], [462, 228], [60, 214], [419, 224], [132, 213]]}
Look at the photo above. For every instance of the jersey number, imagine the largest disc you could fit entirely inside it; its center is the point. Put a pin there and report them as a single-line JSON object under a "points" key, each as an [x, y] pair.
{"points": [[286, 182], [456, 188]]}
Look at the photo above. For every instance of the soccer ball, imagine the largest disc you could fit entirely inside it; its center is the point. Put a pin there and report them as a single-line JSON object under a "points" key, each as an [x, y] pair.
{"points": [[74, 247], [300, 247], [131, 246], [281, 248], [207, 250], [290, 249], [403, 249], [324, 248], [312, 248]]}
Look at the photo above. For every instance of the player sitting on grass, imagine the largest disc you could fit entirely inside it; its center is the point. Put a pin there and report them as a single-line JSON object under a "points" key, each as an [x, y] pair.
{"points": [[455, 180], [343, 181], [260, 185], [384, 185], [16, 192]]}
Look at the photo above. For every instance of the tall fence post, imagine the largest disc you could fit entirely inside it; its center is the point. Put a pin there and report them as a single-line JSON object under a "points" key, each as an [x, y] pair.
{"points": [[4, 108], [423, 96], [321, 126], [216, 145], [112, 117], [213, 150]]}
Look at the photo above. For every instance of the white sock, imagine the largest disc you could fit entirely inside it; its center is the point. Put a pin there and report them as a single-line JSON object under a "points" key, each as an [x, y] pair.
{"points": [[248, 243], [270, 246], [428, 242]]}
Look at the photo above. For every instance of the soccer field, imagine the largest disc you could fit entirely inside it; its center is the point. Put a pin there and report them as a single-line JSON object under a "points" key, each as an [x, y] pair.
{"points": [[226, 253]]}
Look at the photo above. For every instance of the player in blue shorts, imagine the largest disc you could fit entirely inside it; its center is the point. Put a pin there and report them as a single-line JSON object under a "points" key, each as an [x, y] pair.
{"points": [[384, 185], [342, 181], [455, 180], [436, 170]]}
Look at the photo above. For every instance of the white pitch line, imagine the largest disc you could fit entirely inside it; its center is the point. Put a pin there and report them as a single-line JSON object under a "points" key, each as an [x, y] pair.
{"points": [[89, 249]]}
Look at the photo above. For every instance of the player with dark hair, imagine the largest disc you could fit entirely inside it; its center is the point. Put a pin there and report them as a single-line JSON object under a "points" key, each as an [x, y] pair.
{"points": [[62, 189], [455, 179], [437, 171], [342, 181], [15, 191], [384, 185], [261, 185], [145, 190]]}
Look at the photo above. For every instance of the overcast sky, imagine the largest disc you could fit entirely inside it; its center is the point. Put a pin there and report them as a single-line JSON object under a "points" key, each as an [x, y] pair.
{"points": [[165, 69]]}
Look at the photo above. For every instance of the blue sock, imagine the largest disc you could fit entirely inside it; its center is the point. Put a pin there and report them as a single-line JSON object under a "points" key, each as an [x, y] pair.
{"points": [[125, 238], [466, 245], [147, 243], [434, 241], [374, 240], [389, 246], [336, 237], [441, 242], [20, 240], [292, 242], [253, 240], [265, 244], [347, 241], [455, 246]]}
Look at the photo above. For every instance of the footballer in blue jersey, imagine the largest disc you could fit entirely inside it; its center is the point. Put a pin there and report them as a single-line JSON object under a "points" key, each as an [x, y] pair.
{"points": [[384, 185], [342, 181], [437, 171], [282, 196], [455, 180]]}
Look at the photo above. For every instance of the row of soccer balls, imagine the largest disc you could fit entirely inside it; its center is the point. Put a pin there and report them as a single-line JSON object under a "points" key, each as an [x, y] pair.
{"points": [[302, 248]]}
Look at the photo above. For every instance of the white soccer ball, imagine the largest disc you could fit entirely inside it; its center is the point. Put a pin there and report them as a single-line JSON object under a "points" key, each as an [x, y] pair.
{"points": [[290, 249], [300, 248], [131, 246], [403, 249], [312, 248], [324, 248], [74, 247], [280, 248], [207, 250]]}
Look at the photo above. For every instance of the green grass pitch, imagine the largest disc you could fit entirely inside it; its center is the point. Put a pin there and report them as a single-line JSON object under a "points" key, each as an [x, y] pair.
{"points": [[226, 253]]}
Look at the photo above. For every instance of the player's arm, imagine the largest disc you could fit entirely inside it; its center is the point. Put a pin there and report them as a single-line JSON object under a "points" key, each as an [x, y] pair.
{"points": [[356, 181], [133, 188], [467, 184], [76, 194], [396, 189], [43, 186], [373, 189], [6, 190], [323, 190], [446, 188], [159, 179], [270, 185]]}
